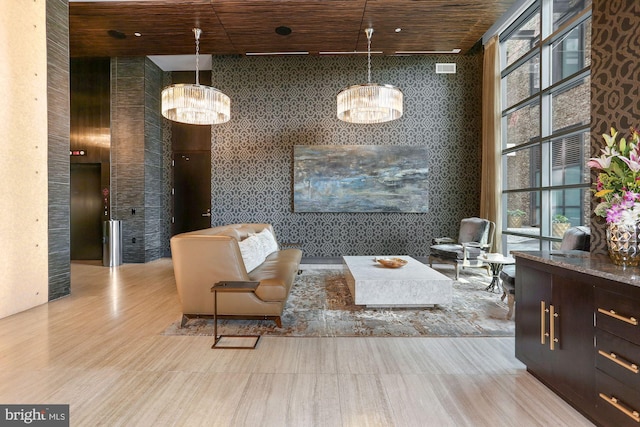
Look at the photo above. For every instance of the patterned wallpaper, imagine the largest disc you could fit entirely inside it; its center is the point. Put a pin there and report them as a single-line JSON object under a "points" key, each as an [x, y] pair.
{"points": [[279, 102], [167, 177], [615, 81]]}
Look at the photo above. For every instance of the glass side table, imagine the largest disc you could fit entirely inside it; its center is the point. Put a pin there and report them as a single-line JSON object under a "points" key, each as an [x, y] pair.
{"points": [[250, 341]]}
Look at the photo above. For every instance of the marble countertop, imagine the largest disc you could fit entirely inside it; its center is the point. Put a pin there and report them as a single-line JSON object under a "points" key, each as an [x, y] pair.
{"points": [[584, 262]]}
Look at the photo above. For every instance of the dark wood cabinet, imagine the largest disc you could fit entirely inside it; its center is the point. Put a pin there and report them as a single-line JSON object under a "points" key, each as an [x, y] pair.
{"points": [[554, 329], [617, 311], [577, 330], [573, 375], [533, 295]]}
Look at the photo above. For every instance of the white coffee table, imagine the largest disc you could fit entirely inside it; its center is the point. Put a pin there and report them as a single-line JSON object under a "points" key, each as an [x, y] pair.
{"points": [[414, 285]]}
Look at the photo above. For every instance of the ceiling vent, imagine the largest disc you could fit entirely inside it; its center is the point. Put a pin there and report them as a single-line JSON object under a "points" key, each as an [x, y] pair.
{"points": [[449, 68]]}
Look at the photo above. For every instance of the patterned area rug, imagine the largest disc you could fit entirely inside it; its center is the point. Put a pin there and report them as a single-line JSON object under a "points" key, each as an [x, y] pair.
{"points": [[320, 305]]}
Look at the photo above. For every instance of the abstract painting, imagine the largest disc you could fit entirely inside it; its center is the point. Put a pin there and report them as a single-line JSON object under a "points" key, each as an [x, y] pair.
{"points": [[360, 178]]}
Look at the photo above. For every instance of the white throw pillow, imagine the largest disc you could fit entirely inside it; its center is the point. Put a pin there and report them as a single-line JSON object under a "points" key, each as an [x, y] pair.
{"points": [[267, 242], [252, 252]]}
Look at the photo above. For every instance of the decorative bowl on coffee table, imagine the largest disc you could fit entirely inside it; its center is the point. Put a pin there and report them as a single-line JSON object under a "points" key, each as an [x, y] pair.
{"points": [[392, 262]]}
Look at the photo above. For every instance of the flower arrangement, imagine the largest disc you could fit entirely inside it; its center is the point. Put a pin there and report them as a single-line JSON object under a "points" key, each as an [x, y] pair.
{"points": [[618, 183]]}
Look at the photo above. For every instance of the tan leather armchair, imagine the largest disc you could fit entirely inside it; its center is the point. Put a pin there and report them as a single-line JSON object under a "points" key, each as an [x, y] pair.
{"points": [[204, 257]]}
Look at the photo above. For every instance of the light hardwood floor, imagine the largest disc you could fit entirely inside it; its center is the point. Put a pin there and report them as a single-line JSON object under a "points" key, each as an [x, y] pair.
{"points": [[100, 350]]}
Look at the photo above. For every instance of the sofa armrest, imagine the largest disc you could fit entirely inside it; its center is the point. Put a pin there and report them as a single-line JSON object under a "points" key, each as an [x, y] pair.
{"points": [[200, 261], [272, 290]]}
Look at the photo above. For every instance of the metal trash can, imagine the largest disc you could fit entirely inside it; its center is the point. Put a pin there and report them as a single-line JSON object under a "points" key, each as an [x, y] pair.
{"points": [[111, 243]]}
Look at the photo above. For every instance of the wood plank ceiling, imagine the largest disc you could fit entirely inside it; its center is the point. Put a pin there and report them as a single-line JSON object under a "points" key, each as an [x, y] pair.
{"points": [[243, 26]]}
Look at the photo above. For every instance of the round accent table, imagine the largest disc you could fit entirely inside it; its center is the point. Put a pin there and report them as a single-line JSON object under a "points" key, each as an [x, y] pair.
{"points": [[496, 262]]}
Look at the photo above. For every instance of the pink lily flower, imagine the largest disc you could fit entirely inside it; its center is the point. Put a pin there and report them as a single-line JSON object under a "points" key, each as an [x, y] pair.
{"points": [[602, 162], [633, 161]]}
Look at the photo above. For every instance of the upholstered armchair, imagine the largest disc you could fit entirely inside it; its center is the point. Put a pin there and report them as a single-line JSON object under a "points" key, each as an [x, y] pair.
{"points": [[474, 238]]}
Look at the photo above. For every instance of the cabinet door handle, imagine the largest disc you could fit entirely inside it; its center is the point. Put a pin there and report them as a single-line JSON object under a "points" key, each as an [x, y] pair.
{"points": [[634, 415], [552, 327], [616, 359], [543, 328], [631, 320]]}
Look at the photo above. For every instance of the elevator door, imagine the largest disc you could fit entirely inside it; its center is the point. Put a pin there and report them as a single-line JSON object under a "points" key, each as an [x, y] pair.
{"points": [[192, 191], [86, 211]]}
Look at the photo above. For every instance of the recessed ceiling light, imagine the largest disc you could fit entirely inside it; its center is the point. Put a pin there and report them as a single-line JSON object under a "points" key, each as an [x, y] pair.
{"points": [[283, 31], [275, 53], [351, 52], [398, 29], [427, 52], [137, 34]]}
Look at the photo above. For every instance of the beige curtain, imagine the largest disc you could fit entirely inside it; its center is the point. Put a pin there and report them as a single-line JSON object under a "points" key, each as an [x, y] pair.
{"points": [[491, 178]]}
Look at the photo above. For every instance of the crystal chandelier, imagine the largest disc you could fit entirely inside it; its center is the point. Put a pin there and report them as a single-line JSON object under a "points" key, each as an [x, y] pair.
{"points": [[193, 103], [370, 102]]}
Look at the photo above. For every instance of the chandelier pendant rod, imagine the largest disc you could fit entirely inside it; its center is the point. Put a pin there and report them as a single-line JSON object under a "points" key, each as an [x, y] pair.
{"points": [[197, 32], [369, 32]]}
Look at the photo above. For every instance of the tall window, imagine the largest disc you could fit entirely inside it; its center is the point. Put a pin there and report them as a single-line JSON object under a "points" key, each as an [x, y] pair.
{"points": [[545, 123]]}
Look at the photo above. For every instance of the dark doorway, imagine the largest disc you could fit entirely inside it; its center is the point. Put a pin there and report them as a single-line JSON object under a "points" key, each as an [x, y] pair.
{"points": [[192, 191], [86, 211]]}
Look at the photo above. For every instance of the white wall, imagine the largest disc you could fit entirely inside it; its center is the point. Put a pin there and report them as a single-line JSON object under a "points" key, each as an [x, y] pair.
{"points": [[23, 156]]}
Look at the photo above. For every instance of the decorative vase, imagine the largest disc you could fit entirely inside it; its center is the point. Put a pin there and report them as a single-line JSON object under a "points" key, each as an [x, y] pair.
{"points": [[622, 241]]}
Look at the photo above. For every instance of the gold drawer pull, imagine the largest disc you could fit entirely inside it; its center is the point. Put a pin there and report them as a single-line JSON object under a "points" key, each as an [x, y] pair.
{"points": [[614, 358], [631, 320], [553, 340], [543, 328], [634, 415]]}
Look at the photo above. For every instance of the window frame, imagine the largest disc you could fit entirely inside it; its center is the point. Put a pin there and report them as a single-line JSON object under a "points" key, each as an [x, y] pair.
{"points": [[543, 191]]}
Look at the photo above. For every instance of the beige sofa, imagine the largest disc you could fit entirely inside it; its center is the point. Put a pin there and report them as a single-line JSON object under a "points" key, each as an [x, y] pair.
{"points": [[204, 257]]}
